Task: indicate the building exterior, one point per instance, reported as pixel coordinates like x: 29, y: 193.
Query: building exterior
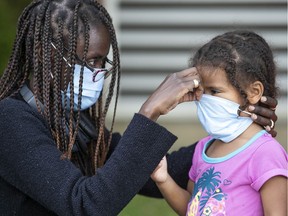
x: 157, y: 37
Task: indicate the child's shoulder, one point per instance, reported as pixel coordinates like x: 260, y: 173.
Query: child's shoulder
x: 202, y: 142
x: 267, y: 143
x: 267, y: 149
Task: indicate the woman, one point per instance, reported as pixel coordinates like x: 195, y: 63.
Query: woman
x: 58, y: 157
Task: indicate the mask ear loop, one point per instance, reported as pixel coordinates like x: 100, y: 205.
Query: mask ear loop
x: 246, y: 112
x: 242, y: 109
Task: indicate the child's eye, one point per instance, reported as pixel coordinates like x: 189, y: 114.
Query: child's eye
x: 214, y: 91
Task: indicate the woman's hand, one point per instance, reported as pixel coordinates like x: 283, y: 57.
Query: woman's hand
x: 264, y: 116
x: 176, y: 88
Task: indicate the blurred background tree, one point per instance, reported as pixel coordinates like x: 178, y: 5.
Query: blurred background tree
x: 9, y: 13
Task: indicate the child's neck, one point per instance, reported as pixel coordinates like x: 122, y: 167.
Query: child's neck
x: 220, y: 149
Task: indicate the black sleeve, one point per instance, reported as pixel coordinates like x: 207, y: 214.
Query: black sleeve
x: 116, y: 137
x: 31, y: 163
x: 179, y: 164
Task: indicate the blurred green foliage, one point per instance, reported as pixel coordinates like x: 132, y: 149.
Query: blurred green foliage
x: 9, y: 13
x: 145, y: 206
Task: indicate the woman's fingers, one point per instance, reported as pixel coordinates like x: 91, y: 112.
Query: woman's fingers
x: 176, y: 88
x: 188, y: 72
x: 271, y: 102
x: 273, y: 133
x: 265, y: 116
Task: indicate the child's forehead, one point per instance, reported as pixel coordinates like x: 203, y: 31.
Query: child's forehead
x: 212, y: 74
x: 210, y: 70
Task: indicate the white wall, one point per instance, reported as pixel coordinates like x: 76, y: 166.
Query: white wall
x: 158, y: 37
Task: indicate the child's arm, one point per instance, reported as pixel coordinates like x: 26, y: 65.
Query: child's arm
x: 175, y: 196
x: 274, y: 196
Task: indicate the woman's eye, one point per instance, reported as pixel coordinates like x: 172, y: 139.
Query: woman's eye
x: 91, y: 62
x: 96, y: 63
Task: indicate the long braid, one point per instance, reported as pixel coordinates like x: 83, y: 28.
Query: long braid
x: 115, y: 77
x: 38, y: 49
x: 86, y: 46
x: 100, y: 156
x: 58, y: 123
x: 73, y: 46
x: 46, y: 72
x: 12, y: 78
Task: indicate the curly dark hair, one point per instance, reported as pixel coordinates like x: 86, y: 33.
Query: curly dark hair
x: 245, y: 57
x: 61, y: 22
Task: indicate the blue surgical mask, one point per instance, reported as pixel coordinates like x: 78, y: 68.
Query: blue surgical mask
x: 91, y: 88
x: 220, y: 118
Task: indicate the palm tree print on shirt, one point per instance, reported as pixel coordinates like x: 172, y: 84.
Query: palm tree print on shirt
x: 208, y: 198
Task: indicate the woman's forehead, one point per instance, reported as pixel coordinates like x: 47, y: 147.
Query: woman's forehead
x: 99, y: 41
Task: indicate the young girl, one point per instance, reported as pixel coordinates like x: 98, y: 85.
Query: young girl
x: 239, y: 169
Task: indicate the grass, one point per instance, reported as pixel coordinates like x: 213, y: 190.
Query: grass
x: 145, y: 206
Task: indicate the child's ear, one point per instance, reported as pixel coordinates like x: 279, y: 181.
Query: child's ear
x: 255, y: 92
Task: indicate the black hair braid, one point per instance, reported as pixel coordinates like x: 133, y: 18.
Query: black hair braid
x: 13, y: 74
x: 266, y: 61
x: 85, y: 163
x: 23, y: 73
x: 46, y: 72
x: 86, y: 46
x: 98, y: 110
x: 117, y: 68
x: 257, y: 60
x: 57, y: 122
x: 101, y: 148
x: 72, y: 49
x: 266, y: 72
x: 233, y: 73
x: 38, y: 51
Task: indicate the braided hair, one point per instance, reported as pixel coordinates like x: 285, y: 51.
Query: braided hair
x: 244, y: 56
x: 61, y: 22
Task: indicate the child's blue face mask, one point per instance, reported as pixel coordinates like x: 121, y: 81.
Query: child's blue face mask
x: 220, y: 118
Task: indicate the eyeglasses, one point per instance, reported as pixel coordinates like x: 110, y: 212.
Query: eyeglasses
x: 91, y: 65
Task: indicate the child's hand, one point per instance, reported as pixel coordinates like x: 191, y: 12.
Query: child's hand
x: 160, y: 173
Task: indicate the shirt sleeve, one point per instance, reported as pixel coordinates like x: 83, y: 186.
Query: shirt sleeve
x: 269, y: 160
x: 31, y: 163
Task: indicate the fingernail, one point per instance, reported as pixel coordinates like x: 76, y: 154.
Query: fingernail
x: 251, y: 108
x: 267, y: 128
x: 253, y: 116
x: 263, y: 99
x: 196, y: 83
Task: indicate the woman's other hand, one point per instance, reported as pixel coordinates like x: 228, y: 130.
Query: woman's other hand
x: 265, y: 116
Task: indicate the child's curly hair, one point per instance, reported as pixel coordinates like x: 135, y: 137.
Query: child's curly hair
x: 244, y: 55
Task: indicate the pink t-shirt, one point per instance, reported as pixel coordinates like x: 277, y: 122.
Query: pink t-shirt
x: 230, y: 185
